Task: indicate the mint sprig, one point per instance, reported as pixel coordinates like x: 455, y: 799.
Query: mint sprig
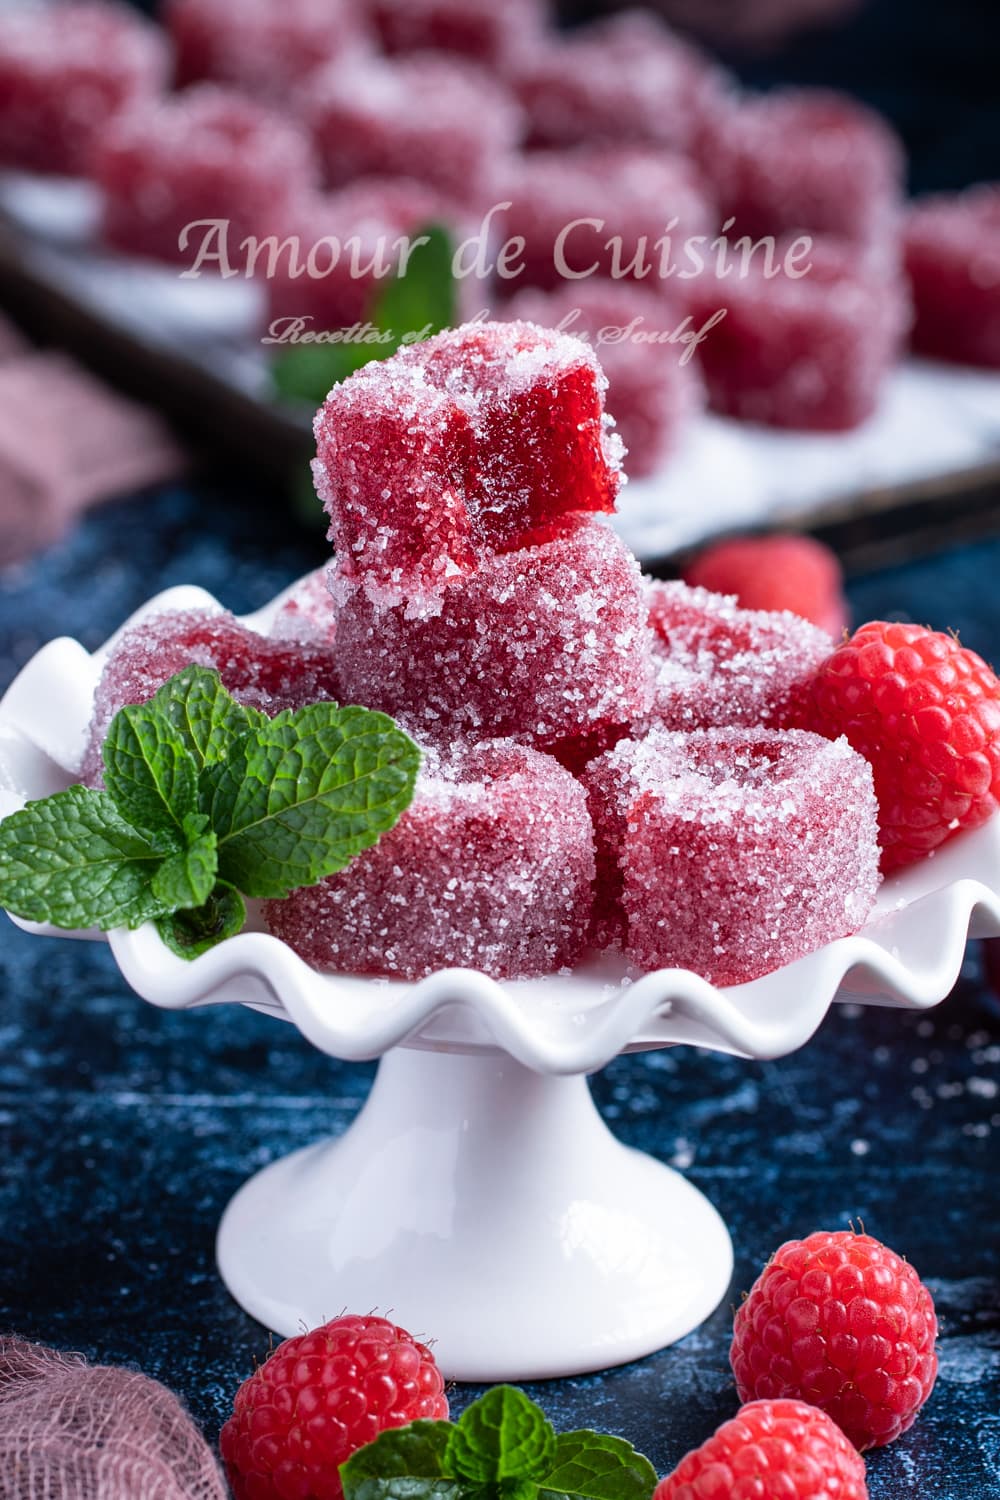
x: 206, y: 802
x: 502, y: 1448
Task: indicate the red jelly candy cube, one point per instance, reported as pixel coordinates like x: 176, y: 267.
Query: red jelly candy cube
x: 541, y: 645
x: 953, y: 262
x: 491, y: 867
x: 489, y: 34
x: 431, y: 117
x: 267, y: 674
x: 623, y: 81
x: 804, y: 160
x: 306, y: 610
x: 477, y: 441
x: 64, y: 72
x: 734, y: 851
x: 652, y: 393
x: 605, y: 211
x: 208, y: 154
x: 808, y: 351
x: 355, y: 241
x: 717, y: 664
x: 264, y: 46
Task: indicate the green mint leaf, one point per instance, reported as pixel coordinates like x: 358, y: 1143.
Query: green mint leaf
x: 305, y: 794
x: 405, y: 1487
x: 205, y: 716
x: 149, y: 773
x: 73, y: 861
x: 307, y: 372
x: 596, y: 1466
x: 185, y: 880
x: 425, y: 297
x: 502, y: 1436
x: 190, y: 933
x: 415, y: 1451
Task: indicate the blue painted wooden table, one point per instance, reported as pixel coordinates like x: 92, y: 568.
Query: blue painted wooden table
x: 124, y: 1131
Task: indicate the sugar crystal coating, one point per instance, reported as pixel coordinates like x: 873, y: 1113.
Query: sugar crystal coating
x: 952, y: 245
x: 489, y: 34
x: 208, y: 153
x: 601, y: 211
x: 797, y: 160
x: 491, y: 867
x: 718, y: 665
x: 651, y: 394
x: 623, y: 80
x: 306, y: 613
x: 801, y: 350
x: 731, y: 852
x: 540, y: 644
x: 477, y: 441
x: 430, y: 116
x: 264, y: 46
x: 64, y: 72
x: 267, y: 674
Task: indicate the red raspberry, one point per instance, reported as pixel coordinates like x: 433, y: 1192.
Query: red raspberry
x: 775, y: 572
x: 840, y: 1321
x: 770, y: 1449
x: 320, y: 1397
x: 926, y: 713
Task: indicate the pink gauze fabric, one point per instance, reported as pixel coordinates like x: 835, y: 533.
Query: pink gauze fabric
x: 74, y: 1431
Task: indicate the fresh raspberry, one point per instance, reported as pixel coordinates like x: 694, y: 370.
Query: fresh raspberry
x: 320, y: 1397
x: 926, y: 713
x: 770, y: 1449
x: 839, y: 1321
x: 775, y: 572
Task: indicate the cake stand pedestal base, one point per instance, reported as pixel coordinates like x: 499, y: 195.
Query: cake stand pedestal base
x: 488, y: 1208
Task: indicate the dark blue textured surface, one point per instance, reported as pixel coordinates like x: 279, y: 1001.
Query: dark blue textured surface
x: 124, y: 1131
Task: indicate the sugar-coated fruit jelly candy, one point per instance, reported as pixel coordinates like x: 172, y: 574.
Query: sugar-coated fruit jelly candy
x: 717, y: 664
x: 208, y: 153
x: 267, y: 674
x: 805, y: 350
x: 601, y: 211
x: 804, y: 160
x: 351, y: 245
x: 627, y: 80
x: 65, y: 70
x: 306, y: 611
x: 952, y: 246
x: 432, y: 117
x: 489, y: 34
x: 477, y: 441
x: 264, y: 46
x: 540, y: 644
x: 733, y: 851
x: 491, y: 867
x: 652, y: 395
x: 793, y: 572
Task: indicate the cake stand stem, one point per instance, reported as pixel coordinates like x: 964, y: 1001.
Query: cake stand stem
x: 487, y: 1207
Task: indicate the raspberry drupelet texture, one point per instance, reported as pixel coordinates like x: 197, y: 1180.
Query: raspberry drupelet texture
x: 952, y: 250
x: 267, y: 674
x: 65, y: 71
x: 731, y: 851
x: 481, y: 440
x: 319, y: 1398
x: 717, y: 665
x: 491, y: 867
x: 926, y: 713
x: 840, y: 1321
x: 543, y: 644
x: 771, y: 1450
x: 797, y: 573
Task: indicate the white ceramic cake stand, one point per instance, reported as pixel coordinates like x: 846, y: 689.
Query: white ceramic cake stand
x: 479, y: 1196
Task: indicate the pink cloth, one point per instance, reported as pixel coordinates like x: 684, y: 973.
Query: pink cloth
x: 73, y: 1431
x: 66, y: 443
